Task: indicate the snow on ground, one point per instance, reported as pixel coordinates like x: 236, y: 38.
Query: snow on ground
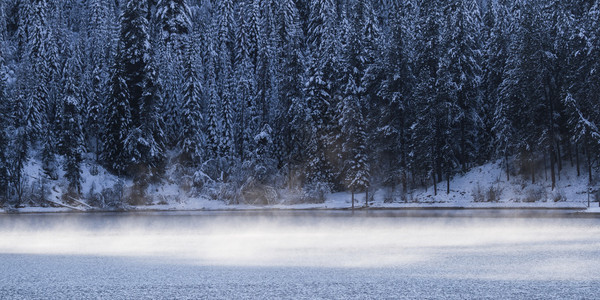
x: 571, y: 192
x: 96, y: 178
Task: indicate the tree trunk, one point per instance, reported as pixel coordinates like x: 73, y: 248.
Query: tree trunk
x: 352, y: 200
x: 559, y: 159
x: 367, y: 197
x: 447, y: 183
x: 545, y: 167
x: 570, y: 153
x: 507, y: 170
x: 532, y: 167
x: 577, y: 158
x: 552, y: 162
x: 19, y: 189
x: 589, y: 159
x: 434, y: 184
x: 433, y: 170
x: 404, y: 180
x: 97, y: 150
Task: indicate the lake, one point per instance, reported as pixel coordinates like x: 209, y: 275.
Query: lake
x: 453, y: 254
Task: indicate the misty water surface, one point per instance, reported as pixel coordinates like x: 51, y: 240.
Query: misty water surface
x: 297, y: 255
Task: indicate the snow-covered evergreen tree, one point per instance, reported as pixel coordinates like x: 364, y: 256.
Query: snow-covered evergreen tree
x: 495, y: 54
x: 290, y: 87
x: 71, y: 140
x: 117, y: 124
x: 134, y: 142
x: 426, y: 130
x: 174, y: 18
x: 213, y: 123
x: 224, y: 71
x: 4, y: 123
x: 318, y: 89
x: 193, y: 138
x: 355, y: 169
x: 247, y: 108
x: 392, y: 132
x: 458, y: 86
x: 584, y: 91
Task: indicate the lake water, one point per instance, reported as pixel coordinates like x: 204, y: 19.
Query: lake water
x: 300, y: 255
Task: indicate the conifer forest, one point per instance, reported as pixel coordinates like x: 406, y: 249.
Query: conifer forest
x: 238, y: 100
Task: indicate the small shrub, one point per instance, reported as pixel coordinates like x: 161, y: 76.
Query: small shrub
x: 201, y: 179
x: 137, y: 195
x: 493, y: 193
x: 113, y: 197
x: 95, y: 200
x: 388, y: 197
x: 478, y: 194
x: 558, y: 196
x: 315, y: 193
x: 162, y: 200
x: 534, y: 194
x: 258, y: 194
x: 221, y: 191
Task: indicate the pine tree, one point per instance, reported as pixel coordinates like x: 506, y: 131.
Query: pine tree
x: 291, y: 80
x: 356, y: 165
x: 248, y: 117
x: 317, y: 97
x: 427, y: 130
x: 92, y: 113
x: 226, y: 149
x: 266, y: 61
x: 495, y: 57
x: 353, y: 136
x: 72, y: 134
x: 369, y: 34
x: 528, y: 68
x: 135, y: 141
x: 319, y: 88
x: 458, y: 82
x: 118, y: 123
x: 4, y: 123
x: 170, y: 86
x: 391, y: 142
x: 584, y: 91
x: 214, y: 122
x: 99, y: 50
x: 19, y: 147
x: 35, y: 42
x: 192, y: 141
x: 174, y: 18
x: 4, y: 165
x: 224, y: 71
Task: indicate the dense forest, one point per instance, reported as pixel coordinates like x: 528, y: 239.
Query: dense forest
x: 250, y: 96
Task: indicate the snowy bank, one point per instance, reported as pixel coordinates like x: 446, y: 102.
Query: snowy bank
x: 470, y: 190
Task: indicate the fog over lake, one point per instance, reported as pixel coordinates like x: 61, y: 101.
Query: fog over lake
x: 296, y: 255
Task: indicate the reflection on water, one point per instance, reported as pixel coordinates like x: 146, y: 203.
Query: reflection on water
x: 389, y: 248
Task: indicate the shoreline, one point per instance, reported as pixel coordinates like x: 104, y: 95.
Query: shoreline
x: 412, y: 211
